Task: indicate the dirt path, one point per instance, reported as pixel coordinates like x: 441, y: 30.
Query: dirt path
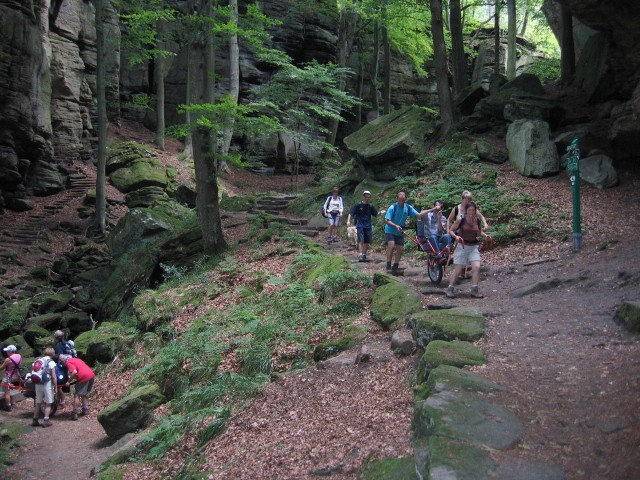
x: 571, y: 373
x: 67, y: 450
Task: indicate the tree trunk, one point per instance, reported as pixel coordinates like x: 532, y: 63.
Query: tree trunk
x: 386, y: 45
x: 457, y: 48
x: 159, y: 80
x: 346, y: 27
x: 101, y: 200
x: 188, y: 140
x: 209, y: 65
x: 496, y: 37
x: 234, y: 77
x: 511, y: 40
x: 188, y: 96
x: 207, y: 191
x: 567, y: 47
x: 525, y: 20
x: 440, y: 61
x: 375, y: 104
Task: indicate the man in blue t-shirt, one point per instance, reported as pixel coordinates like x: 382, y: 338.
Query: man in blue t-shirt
x: 362, y: 213
x: 395, y: 219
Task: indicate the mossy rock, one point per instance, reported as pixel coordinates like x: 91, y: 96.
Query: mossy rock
x: 102, y: 344
x: 240, y: 203
x: 387, y: 147
x: 466, y: 417
x: 13, y: 317
x: 37, y: 338
x: 153, y: 309
x: 48, y: 321
x: 139, y: 174
x: 393, y: 304
x: 53, y: 302
x: 450, y: 458
x: 131, y: 412
x: 455, y: 353
x: 629, y: 315
x: 455, y: 323
x: 124, y: 154
x: 332, y: 347
x: 448, y: 377
x: 389, y: 469
x: 145, y: 196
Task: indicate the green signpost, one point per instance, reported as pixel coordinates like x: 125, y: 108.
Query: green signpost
x: 573, y: 167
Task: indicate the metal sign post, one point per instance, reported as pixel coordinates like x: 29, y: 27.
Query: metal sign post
x: 573, y: 167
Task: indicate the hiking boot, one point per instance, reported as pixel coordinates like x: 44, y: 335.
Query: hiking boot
x: 85, y: 411
x: 395, y: 270
x: 46, y: 423
x: 449, y: 292
x: 74, y: 415
x: 361, y: 257
x: 6, y: 408
x: 364, y: 258
x: 35, y: 423
x: 475, y: 293
x: 388, y: 267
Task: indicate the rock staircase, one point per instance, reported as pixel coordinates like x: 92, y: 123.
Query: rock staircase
x: 29, y: 226
x: 276, y: 205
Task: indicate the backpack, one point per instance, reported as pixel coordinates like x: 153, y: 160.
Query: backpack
x: 69, y: 349
x: 40, y: 371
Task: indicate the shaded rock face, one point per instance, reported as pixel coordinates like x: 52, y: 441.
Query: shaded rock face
x: 619, y: 20
x: 47, y: 87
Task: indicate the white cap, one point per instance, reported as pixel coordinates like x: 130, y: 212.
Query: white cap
x: 10, y: 348
x: 366, y: 192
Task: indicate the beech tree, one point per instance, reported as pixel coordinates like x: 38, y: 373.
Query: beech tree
x: 101, y: 201
x: 440, y: 63
x: 511, y: 39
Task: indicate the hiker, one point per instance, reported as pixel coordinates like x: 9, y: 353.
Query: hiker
x: 11, y: 367
x: 333, y: 208
x: 433, y: 228
x: 62, y: 347
x: 44, y: 389
x: 395, y: 219
x: 460, y: 209
x: 362, y: 212
x: 81, y: 373
x: 467, y: 228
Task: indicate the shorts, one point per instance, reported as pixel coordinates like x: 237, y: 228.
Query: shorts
x: 44, y: 390
x: 365, y: 235
x: 334, y: 219
x: 397, y: 239
x: 82, y: 389
x: 466, y: 255
x: 5, y: 380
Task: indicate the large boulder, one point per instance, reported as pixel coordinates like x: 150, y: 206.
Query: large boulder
x: 131, y: 412
x: 449, y: 324
x: 531, y: 151
x: 100, y: 345
x: 387, y: 147
x: 598, y: 171
x: 393, y: 303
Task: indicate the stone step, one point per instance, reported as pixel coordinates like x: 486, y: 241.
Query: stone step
x: 272, y: 202
x: 269, y: 209
x: 307, y: 232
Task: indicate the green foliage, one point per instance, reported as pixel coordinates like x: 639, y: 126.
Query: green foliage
x: 11, y: 432
x: 546, y: 69
x: 140, y: 37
